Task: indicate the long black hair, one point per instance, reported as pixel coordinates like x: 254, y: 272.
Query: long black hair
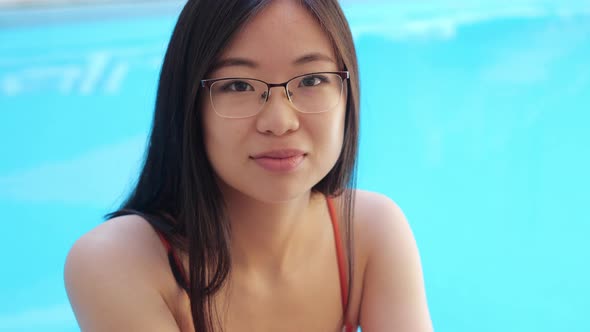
x: 177, y: 185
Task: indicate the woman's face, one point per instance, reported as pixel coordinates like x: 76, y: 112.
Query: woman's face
x: 279, y: 153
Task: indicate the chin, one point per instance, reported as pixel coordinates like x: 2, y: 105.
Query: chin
x: 277, y: 194
x: 268, y: 192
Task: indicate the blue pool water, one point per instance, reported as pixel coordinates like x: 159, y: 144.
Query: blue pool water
x: 474, y: 119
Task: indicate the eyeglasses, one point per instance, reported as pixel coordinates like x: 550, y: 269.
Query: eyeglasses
x: 245, y: 97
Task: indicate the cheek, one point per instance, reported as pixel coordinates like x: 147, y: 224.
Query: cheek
x: 338, y: 134
x: 217, y: 138
x: 340, y: 126
x: 224, y: 141
x: 329, y: 136
x: 214, y: 139
x: 218, y: 151
x: 209, y: 132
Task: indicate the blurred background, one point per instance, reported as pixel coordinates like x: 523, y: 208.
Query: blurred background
x: 475, y: 119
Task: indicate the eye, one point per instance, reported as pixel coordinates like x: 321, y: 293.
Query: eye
x: 237, y: 86
x: 313, y: 80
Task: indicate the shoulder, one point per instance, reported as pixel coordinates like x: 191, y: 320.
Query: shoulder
x: 375, y: 205
x: 382, y: 229
x: 113, y: 276
x: 377, y: 222
x: 126, y: 243
x: 393, y: 294
x: 379, y: 217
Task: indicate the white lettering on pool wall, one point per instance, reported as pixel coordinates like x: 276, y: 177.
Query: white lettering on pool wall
x: 96, y: 72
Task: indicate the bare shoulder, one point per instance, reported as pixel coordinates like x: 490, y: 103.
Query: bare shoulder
x: 381, y: 226
x: 112, y: 276
x: 393, y: 292
x: 127, y: 244
x: 375, y: 206
x: 378, y: 217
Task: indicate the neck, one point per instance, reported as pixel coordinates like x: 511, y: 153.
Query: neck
x: 270, y: 237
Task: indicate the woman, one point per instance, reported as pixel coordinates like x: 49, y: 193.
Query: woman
x: 243, y: 218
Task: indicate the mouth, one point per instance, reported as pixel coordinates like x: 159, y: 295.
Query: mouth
x: 279, y: 154
x: 280, y: 161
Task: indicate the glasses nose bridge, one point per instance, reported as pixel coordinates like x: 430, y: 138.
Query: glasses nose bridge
x: 276, y: 85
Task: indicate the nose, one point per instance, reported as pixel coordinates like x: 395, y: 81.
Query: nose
x: 278, y: 117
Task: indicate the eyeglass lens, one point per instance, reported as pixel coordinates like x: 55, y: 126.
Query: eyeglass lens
x: 314, y: 93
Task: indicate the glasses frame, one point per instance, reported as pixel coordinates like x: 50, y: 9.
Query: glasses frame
x: 207, y: 83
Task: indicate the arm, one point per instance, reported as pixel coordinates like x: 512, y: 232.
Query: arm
x: 394, y: 298
x: 108, y: 289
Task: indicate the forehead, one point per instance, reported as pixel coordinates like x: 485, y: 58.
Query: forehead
x: 278, y: 35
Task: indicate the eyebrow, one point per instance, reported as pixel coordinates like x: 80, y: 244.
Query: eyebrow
x: 311, y: 57
x: 243, y: 62
x: 234, y: 62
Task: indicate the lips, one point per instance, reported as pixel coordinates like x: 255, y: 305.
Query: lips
x: 284, y: 160
x: 279, y: 154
